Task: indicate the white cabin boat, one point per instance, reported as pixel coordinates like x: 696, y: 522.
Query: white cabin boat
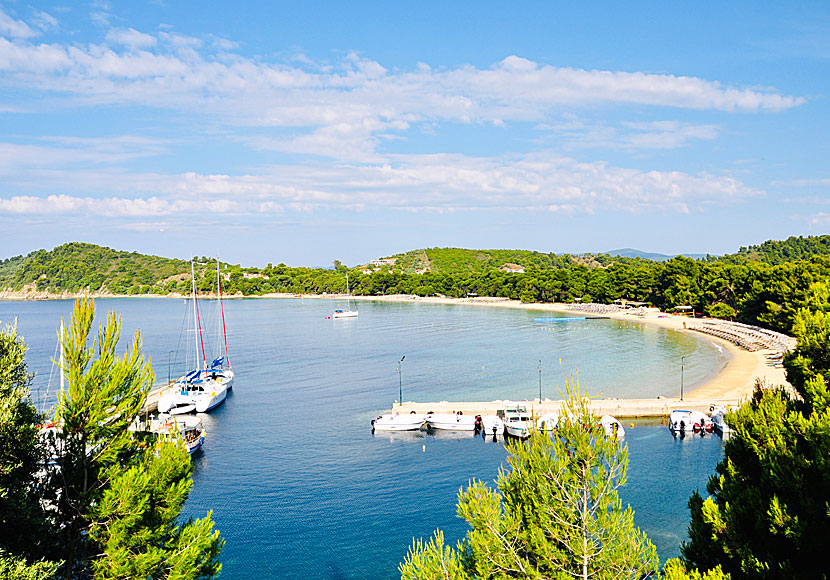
x: 517, y: 422
x: 719, y: 419
x: 683, y: 421
x: 612, y: 427
x: 451, y: 421
x: 490, y: 424
x: 395, y: 422
x: 204, y: 394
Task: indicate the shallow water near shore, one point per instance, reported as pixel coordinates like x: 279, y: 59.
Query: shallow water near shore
x: 298, y: 484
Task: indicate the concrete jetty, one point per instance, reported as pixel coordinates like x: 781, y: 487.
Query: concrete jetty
x: 619, y: 408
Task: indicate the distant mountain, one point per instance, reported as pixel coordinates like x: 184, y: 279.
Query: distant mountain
x: 632, y: 253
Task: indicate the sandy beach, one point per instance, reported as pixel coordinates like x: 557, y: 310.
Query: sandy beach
x: 732, y: 384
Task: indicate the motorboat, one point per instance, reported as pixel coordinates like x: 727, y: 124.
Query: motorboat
x: 517, y: 422
x: 684, y: 421
x: 547, y: 422
x: 719, y: 419
x: 612, y: 427
x: 166, y: 427
x: 490, y: 424
x: 395, y: 422
x: 452, y: 421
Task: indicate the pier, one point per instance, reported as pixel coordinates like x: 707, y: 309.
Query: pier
x: 619, y: 408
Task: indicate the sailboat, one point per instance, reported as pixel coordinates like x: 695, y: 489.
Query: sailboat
x: 203, y: 387
x: 220, y: 369
x: 349, y: 313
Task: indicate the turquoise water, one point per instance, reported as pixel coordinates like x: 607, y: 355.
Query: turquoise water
x: 301, y: 488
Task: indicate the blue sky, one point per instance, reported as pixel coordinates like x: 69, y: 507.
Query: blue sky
x: 303, y: 132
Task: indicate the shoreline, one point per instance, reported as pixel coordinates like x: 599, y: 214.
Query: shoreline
x: 732, y: 383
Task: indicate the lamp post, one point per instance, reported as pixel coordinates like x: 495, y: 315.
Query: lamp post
x: 540, y: 381
x: 400, y: 382
x: 682, y: 366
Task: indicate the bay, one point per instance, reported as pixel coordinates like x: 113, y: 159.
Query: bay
x: 298, y: 484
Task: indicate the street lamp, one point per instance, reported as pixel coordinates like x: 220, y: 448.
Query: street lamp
x: 400, y: 382
x: 682, y: 366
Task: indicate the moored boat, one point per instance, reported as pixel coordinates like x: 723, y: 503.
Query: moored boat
x: 517, y: 422
x: 492, y: 425
x: 451, y: 421
x: 719, y: 419
x: 547, y: 422
x: 683, y: 421
x: 612, y: 427
x: 395, y: 422
x: 187, y: 429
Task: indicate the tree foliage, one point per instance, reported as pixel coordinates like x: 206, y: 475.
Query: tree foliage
x: 118, y: 497
x: 768, y: 513
x: 556, y: 513
x: 23, y: 528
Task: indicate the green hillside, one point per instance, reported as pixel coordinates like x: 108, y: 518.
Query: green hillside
x: 462, y: 261
x: 779, y: 252
x: 75, y: 267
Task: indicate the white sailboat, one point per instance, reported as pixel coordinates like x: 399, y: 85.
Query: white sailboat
x: 348, y: 313
x: 202, y: 387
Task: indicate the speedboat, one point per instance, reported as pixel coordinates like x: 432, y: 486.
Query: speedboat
x: 451, y: 421
x: 547, y: 422
x: 719, y: 419
x: 517, y: 422
x: 490, y: 424
x: 395, y: 422
x: 612, y: 427
x: 684, y: 421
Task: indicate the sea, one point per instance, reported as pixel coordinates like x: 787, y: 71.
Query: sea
x: 299, y: 485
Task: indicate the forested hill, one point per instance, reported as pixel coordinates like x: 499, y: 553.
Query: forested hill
x: 757, y: 285
x: 775, y: 252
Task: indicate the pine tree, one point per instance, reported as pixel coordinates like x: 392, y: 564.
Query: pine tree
x: 23, y: 526
x: 768, y: 513
x: 118, y: 498
x: 556, y: 513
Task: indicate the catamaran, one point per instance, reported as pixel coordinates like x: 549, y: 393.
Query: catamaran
x: 349, y: 313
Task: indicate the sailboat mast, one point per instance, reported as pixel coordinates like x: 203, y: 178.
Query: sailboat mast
x: 195, y: 318
x: 198, y: 322
x: 222, y: 311
x: 61, y: 358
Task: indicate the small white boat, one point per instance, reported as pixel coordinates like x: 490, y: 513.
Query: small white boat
x: 187, y: 429
x: 490, y: 424
x: 411, y: 422
x: 612, y: 427
x: 547, y: 422
x: 451, y: 421
x: 348, y: 313
x: 683, y: 421
x: 517, y: 422
x: 719, y: 419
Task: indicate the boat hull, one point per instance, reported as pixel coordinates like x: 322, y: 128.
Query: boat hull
x: 398, y: 422
x: 451, y: 422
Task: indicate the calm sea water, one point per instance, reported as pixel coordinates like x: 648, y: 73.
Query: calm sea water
x: 298, y: 484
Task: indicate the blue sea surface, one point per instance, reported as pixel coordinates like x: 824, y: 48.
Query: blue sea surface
x: 298, y: 484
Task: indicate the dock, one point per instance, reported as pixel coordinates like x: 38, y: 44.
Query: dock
x: 619, y: 408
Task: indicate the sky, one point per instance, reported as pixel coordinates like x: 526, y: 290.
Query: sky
x: 304, y: 132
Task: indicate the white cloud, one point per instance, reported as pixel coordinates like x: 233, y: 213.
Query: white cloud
x: 422, y: 183
x: 14, y: 28
x: 131, y: 38
x: 631, y: 136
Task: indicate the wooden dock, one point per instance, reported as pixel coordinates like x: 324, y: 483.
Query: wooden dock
x: 619, y: 408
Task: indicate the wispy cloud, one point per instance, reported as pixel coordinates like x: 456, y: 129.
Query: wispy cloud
x: 347, y: 109
x: 423, y: 183
x: 579, y: 133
